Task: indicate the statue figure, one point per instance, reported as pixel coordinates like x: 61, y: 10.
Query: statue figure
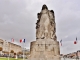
x: 45, y: 26
x: 46, y: 46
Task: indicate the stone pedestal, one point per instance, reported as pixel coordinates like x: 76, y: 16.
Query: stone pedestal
x: 44, y: 49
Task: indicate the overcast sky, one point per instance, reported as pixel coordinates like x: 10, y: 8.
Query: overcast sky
x: 18, y: 18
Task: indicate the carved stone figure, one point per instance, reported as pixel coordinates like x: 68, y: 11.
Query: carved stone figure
x: 45, y: 26
x: 46, y: 46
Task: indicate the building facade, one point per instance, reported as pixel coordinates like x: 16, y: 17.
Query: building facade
x: 16, y: 48
x: 8, y: 46
x: 74, y: 54
x: 1, y: 43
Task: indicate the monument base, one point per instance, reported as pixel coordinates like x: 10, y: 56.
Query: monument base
x: 44, y: 49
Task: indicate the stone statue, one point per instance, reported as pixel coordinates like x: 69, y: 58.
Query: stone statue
x: 45, y: 26
x: 46, y: 46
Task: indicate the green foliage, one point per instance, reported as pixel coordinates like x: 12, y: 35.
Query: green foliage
x: 12, y: 51
x: 10, y: 59
x: 1, y: 48
x: 20, y: 53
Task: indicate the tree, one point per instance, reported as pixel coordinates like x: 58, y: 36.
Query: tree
x: 27, y: 53
x: 12, y: 51
x: 1, y: 48
x: 20, y: 53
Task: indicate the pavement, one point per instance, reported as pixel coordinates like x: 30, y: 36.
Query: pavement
x: 68, y: 59
x: 64, y: 59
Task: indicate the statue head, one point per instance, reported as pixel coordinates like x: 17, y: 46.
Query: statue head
x: 44, y: 7
x: 52, y: 11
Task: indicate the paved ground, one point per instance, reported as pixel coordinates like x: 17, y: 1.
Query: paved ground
x: 64, y: 59
x: 68, y: 59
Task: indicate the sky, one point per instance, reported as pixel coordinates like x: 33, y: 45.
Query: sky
x: 18, y: 18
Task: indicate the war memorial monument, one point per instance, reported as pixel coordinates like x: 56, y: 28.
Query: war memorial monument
x: 46, y: 46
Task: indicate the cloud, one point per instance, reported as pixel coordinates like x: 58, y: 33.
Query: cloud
x: 18, y: 18
x: 69, y: 47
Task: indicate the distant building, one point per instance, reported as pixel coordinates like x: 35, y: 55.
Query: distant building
x: 74, y: 54
x: 26, y: 50
x: 78, y: 53
x: 8, y: 46
x: 61, y: 55
x: 16, y: 48
x: 5, y: 46
x: 1, y: 43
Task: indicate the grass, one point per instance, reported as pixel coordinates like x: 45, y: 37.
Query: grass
x: 10, y: 59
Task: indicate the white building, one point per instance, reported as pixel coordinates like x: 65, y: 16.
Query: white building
x: 8, y: 46
x: 5, y: 46
x: 1, y: 43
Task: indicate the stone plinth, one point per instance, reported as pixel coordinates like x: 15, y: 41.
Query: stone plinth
x: 46, y: 46
x: 45, y: 49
